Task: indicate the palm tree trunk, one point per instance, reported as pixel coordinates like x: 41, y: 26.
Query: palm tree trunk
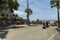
x: 28, y: 21
x: 58, y: 17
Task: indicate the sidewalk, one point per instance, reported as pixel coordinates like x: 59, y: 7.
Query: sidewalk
x: 18, y: 26
x: 24, y: 25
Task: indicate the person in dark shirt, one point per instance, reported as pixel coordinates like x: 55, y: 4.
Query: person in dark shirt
x: 47, y: 24
x: 44, y: 26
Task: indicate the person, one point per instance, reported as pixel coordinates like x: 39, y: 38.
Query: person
x: 44, y: 27
x: 47, y: 24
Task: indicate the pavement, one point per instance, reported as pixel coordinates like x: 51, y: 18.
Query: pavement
x: 31, y: 33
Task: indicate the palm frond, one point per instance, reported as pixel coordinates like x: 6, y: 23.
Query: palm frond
x: 28, y: 11
x: 54, y: 3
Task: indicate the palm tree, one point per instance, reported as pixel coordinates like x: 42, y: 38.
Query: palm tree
x: 29, y: 12
x: 55, y: 3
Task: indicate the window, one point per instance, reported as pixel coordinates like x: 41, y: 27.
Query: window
x: 2, y: 14
x: 2, y: 2
x: 7, y: 15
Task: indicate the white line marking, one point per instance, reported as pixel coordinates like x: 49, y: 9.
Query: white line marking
x: 52, y: 36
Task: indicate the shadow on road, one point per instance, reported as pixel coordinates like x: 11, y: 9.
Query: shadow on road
x: 58, y: 30
x: 4, y: 31
x: 14, y: 27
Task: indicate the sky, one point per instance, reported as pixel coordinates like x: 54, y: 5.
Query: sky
x: 41, y: 10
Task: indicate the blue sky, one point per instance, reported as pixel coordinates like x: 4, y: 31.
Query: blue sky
x: 41, y: 10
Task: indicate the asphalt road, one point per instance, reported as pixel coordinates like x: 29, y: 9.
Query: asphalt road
x: 30, y: 33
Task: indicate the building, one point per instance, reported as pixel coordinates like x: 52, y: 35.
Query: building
x: 36, y: 22
x: 5, y: 14
x: 20, y: 21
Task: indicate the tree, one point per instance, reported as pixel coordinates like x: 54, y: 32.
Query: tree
x: 11, y: 4
x: 29, y: 12
x: 56, y: 3
x: 16, y: 17
x: 2, y: 4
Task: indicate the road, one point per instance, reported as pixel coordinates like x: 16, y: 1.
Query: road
x: 30, y: 33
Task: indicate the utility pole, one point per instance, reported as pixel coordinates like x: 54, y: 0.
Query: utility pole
x: 27, y: 4
x: 58, y: 14
x: 28, y: 22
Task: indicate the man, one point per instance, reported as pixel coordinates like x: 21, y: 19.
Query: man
x: 44, y: 25
x: 47, y: 24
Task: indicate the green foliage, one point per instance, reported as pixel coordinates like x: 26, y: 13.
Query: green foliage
x: 55, y: 3
x: 28, y: 11
x: 3, y: 18
x: 2, y: 2
x: 16, y: 17
x: 52, y: 2
x: 19, y: 18
x: 11, y: 4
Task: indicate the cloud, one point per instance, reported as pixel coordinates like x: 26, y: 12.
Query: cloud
x: 52, y: 17
x: 41, y: 9
x: 20, y: 13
